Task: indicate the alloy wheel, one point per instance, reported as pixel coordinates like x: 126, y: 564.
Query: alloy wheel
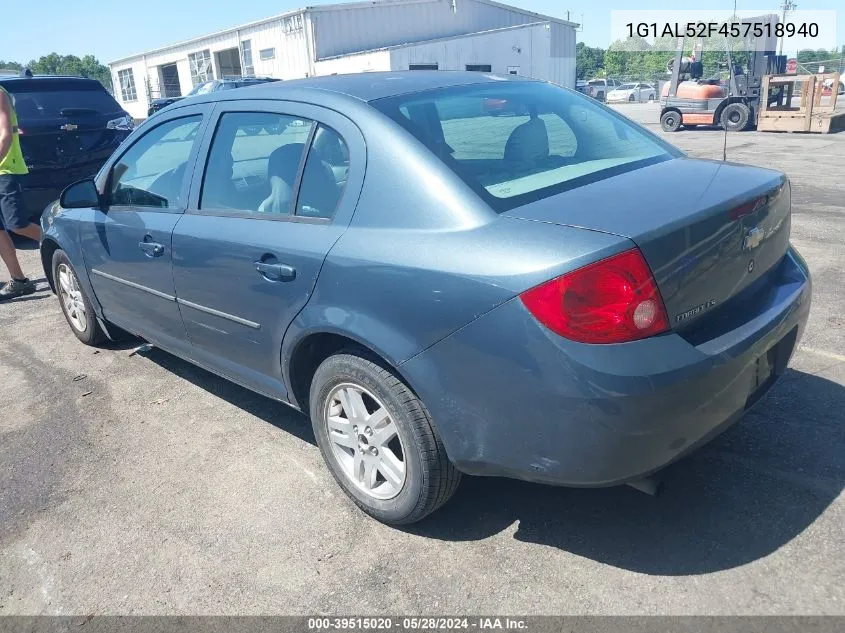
x: 365, y: 441
x: 71, y: 297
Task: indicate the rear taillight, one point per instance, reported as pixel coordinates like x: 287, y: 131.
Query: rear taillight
x: 611, y: 301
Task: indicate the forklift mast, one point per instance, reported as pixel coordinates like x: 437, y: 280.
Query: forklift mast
x: 762, y: 60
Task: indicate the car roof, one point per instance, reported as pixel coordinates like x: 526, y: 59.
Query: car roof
x: 45, y: 78
x: 368, y: 86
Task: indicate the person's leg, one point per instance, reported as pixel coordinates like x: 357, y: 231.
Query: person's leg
x: 10, y: 257
x: 15, y: 214
x: 19, y: 285
x: 33, y: 231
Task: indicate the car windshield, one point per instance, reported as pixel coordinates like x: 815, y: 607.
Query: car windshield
x: 52, y: 99
x: 627, y: 87
x: 545, y: 139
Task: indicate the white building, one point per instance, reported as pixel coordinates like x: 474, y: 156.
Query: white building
x: 377, y: 35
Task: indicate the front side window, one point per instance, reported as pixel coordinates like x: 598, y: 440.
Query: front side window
x: 151, y: 172
x: 267, y: 53
x: 254, y: 162
x: 518, y: 142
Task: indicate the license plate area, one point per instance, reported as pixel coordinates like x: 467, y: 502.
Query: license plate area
x: 770, y: 365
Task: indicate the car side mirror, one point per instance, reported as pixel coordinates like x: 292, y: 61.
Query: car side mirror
x: 80, y: 195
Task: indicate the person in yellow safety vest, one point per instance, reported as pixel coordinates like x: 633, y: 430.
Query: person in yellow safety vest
x: 13, y: 214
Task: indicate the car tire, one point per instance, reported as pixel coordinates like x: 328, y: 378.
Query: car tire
x: 735, y: 117
x: 631, y: 99
x: 76, y: 306
x: 397, y: 471
x: 600, y: 96
x: 670, y: 121
x: 651, y: 97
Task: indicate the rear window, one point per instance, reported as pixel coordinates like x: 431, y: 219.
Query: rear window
x: 517, y: 142
x: 53, y: 99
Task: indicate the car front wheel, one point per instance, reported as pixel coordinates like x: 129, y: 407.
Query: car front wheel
x: 379, y: 441
x: 76, y: 306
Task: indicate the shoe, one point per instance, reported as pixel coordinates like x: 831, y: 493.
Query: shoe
x: 16, y: 288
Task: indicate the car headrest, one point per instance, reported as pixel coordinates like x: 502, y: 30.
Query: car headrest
x: 528, y: 143
x: 284, y: 162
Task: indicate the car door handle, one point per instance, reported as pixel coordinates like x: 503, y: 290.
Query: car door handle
x: 151, y: 249
x: 275, y: 272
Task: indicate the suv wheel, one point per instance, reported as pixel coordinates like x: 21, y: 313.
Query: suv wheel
x: 76, y: 306
x: 379, y: 441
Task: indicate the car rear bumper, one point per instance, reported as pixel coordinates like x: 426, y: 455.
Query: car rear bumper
x: 511, y: 398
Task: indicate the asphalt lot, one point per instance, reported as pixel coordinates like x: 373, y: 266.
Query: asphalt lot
x: 136, y: 483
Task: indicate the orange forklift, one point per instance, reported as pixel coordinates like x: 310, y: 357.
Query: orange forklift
x: 689, y: 101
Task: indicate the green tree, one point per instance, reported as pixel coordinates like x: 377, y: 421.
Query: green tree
x: 87, y: 66
x: 588, y: 61
x: 10, y: 65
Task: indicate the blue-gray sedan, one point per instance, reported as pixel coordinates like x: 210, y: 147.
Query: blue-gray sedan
x: 450, y: 272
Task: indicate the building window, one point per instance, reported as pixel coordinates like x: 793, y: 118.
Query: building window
x: 480, y: 68
x: 292, y: 24
x: 422, y: 67
x: 267, y: 53
x: 246, y: 53
x: 200, y: 65
x: 126, y: 80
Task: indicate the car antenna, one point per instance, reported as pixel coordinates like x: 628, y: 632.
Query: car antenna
x: 730, y: 70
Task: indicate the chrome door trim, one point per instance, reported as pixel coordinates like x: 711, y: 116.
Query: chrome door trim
x: 218, y: 313
x: 132, y: 284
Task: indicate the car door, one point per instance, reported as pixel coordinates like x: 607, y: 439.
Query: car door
x: 265, y: 209
x: 127, y: 243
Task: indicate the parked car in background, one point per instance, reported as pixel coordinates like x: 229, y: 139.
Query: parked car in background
x: 205, y: 87
x: 558, y: 296
x: 598, y: 88
x: 582, y: 86
x: 69, y: 126
x: 632, y: 92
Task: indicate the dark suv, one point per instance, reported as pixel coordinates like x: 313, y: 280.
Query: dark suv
x: 209, y: 86
x: 69, y: 126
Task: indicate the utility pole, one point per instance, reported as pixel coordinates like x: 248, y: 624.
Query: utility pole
x: 786, y: 6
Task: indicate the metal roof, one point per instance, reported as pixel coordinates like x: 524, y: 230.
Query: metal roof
x: 326, y: 8
x: 434, y: 40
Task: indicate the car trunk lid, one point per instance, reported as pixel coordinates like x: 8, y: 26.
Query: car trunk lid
x: 707, y: 229
x: 64, y: 122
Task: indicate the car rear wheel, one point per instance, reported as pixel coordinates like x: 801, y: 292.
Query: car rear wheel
x: 631, y: 98
x: 651, y: 97
x: 670, y: 121
x: 379, y: 441
x: 76, y: 306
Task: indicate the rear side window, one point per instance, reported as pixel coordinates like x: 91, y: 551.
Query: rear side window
x: 324, y: 176
x: 517, y: 142
x: 54, y: 99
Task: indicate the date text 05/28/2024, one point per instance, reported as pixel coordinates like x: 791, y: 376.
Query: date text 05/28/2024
x: 715, y: 29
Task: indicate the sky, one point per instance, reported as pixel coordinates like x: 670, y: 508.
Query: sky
x: 110, y: 30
